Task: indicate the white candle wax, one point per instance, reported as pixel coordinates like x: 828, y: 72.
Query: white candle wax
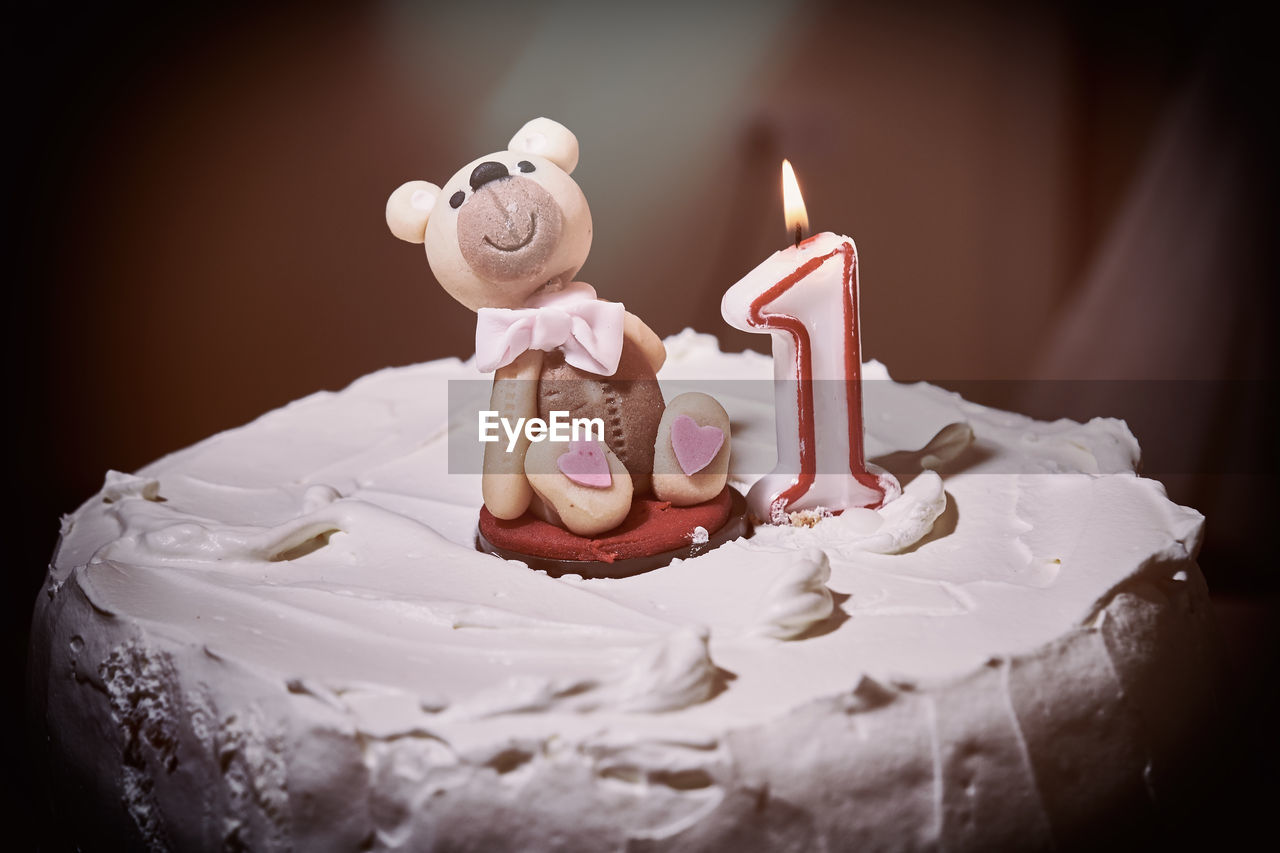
x: 806, y: 297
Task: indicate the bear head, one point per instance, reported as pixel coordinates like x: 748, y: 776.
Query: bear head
x: 505, y: 227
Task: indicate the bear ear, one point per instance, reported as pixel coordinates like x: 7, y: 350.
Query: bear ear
x: 549, y: 139
x: 408, y: 209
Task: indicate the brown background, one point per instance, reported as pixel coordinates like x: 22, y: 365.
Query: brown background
x: 1038, y: 192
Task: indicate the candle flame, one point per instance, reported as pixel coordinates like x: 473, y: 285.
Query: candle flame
x: 793, y: 203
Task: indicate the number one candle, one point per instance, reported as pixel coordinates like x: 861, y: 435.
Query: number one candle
x: 806, y: 297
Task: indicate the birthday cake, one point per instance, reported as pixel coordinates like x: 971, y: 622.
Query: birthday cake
x: 290, y: 636
x: 284, y: 637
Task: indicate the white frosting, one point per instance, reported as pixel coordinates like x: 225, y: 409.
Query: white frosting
x: 798, y: 599
x: 285, y: 636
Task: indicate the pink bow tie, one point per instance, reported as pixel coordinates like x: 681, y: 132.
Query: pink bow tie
x: 586, y: 330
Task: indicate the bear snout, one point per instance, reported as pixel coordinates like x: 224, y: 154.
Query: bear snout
x: 510, y: 228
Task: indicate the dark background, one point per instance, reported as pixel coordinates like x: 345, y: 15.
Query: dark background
x: 1040, y: 192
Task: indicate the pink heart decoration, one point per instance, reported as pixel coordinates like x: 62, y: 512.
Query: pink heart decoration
x: 695, y: 446
x: 585, y: 465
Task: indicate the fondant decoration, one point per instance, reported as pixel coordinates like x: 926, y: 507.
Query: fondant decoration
x: 645, y: 540
x: 584, y: 510
x: 806, y: 297
x: 508, y: 228
x: 695, y: 446
x: 587, y: 330
x: 507, y: 245
x: 629, y: 403
x: 505, y: 486
x: 672, y: 479
x: 584, y: 464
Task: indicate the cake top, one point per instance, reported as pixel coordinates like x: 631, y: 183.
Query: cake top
x: 324, y: 545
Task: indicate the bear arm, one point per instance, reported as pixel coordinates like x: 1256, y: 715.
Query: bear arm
x: 504, y: 486
x: 646, y: 340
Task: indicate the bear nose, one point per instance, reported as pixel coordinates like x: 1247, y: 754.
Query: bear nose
x: 486, y: 172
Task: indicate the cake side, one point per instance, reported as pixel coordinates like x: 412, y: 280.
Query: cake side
x: 298, y: 644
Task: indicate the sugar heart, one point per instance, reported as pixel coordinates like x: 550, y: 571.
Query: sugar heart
x: 585, y: 465
x: 695, y: 446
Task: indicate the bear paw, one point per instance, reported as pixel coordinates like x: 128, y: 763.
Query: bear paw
x: 584, y: 487
x: 691, y: 453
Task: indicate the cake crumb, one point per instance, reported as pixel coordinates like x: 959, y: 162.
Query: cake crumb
x: 808, y: 517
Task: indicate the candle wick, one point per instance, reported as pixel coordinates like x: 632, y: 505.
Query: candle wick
x: 799, y: 234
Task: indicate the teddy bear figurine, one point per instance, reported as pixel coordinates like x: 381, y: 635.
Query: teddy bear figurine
x: 505, y: 236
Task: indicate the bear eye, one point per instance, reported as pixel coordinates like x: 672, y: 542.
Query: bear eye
x: 525, y: 166
x: 456, y: 200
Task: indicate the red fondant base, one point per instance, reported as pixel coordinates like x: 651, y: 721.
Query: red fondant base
x: 652, y: 527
